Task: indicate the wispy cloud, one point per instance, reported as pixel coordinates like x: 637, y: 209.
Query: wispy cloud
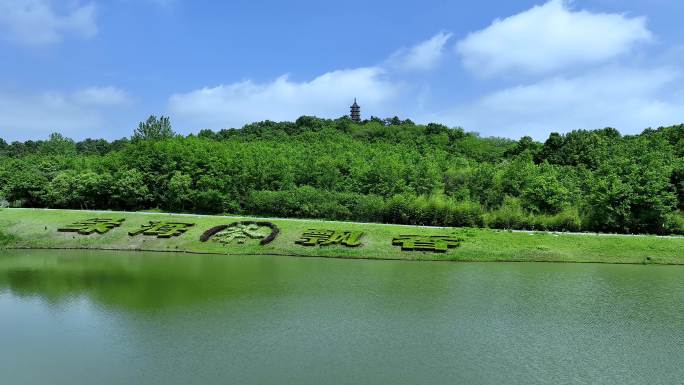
x: 37, y: 22
x: 102, y: 96
x: 421, y: 57
x: 77, y: 114
x: 630, y: 99
x: 233, y: 105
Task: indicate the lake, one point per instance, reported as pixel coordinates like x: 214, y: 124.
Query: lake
x: 77, y: 317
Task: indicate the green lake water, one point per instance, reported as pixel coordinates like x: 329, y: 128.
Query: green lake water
x: 154, y: 318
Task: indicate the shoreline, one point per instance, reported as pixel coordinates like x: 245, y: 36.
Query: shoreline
x: 332, y: 256
x: 311, y: 220
x: 28, y: 229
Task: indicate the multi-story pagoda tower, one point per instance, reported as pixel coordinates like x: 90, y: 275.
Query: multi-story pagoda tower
x: 355, y: 112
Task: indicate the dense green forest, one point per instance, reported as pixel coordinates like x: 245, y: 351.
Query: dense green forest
x: 388, y: 170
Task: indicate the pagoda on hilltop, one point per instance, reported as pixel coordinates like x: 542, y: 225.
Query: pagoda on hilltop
x: 355, y: 112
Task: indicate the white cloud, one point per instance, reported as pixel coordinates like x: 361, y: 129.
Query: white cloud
x: 104, y: 96
x: 423, y: 56
x: 627, y: 99
x: 550, y: 37
x: 233, y: 105
x: 34, y: 116
x: 37, y: 22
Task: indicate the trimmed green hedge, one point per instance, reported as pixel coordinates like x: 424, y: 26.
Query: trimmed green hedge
x: 162, y: 229
x: 217, y: 229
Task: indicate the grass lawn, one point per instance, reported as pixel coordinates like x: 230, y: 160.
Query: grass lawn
x: 36, y: 228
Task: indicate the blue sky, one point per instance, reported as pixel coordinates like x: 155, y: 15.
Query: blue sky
x: 503, y: 68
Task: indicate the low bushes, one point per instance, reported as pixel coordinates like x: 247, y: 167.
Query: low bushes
x: 308, y: 202
x: 675, y: 223
x: 567, y: 220
x: 434, y: 210
x: 5, y: 239
x: 303, y: 202
x: 511, y: 215
x: 408, y: 209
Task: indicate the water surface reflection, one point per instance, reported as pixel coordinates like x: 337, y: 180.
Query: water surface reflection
x: 110, y: 317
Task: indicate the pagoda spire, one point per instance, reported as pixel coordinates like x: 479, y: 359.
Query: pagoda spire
x: 355, y: 112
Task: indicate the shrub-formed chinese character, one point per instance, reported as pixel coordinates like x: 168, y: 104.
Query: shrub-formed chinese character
x: 93, y: 225
x: 433, y: 243
x: 240, y: 232
x: 163, y: 229
x: 313, y: 237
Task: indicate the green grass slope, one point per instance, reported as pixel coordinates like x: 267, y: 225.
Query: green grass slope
x: 35, y: 228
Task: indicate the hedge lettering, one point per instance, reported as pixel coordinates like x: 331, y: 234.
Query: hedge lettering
x: 433, y: 243
x: 239, y: 232
x: 93, y: 225
x: 163, y: 229
x: 313, y: 237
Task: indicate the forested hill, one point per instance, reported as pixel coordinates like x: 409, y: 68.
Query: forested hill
x: 389, y: 170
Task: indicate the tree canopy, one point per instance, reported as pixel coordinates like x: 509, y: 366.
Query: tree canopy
x: 383, y: 170
x: 154, y: 129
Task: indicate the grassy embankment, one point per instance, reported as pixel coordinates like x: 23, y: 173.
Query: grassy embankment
x: 34, y: 228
